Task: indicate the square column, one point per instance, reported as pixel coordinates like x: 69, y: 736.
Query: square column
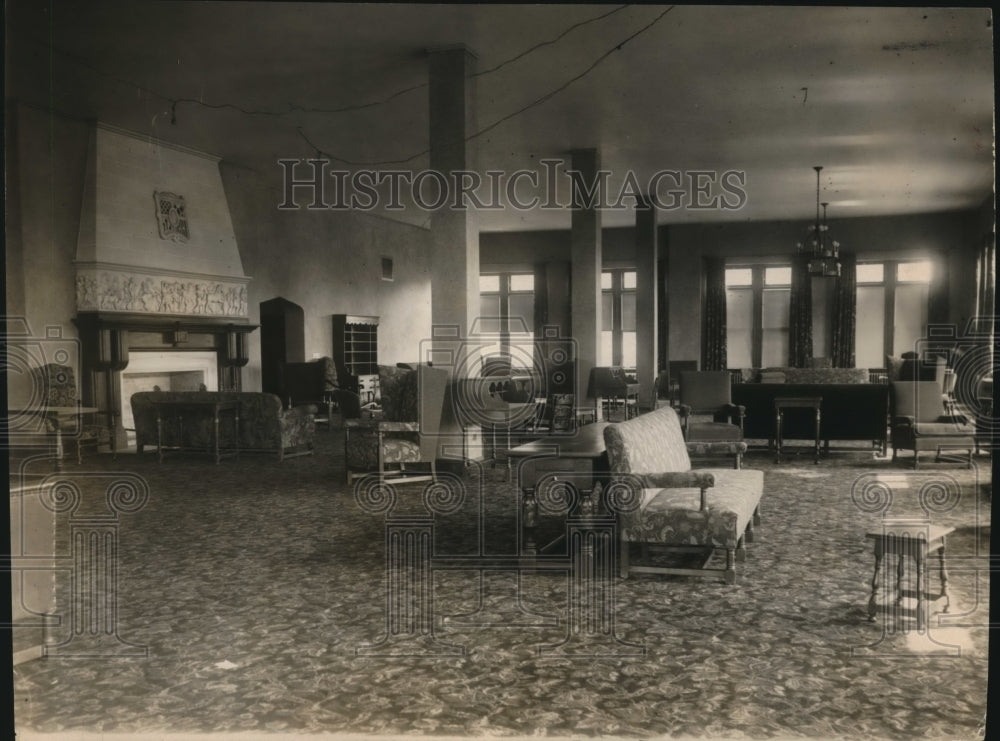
x: 454, y: 242
x: 585, y: 250
x: 646, y: 261
x: 454, y: 231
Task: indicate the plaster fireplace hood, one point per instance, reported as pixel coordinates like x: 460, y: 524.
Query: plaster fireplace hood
x: 155, y: 234
x: 158, y: 270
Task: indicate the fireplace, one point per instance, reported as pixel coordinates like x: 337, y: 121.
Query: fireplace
x: 174, y: 370
x: 124, y: 353
x: 161, y: 295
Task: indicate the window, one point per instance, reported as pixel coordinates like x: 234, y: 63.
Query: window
x: 891, y: 309
x: 618, y: 318
x: 507, y: 308
x: 757, y: 301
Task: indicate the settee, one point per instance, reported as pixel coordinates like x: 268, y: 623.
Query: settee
x: 264, y: 425
x: 852, y: 408
x: 676, y: 507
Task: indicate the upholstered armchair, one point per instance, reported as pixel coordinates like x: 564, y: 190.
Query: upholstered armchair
x: 403, y: 433
x: 310, y: 383
x: 556, y: 414
x: 707, y: 410
x: 661, y: 391
x: 612, y: 387
x: 921, y: 422
x: 56, y: 399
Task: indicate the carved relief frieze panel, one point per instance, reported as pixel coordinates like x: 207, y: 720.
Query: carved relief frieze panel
x: 137, y: 292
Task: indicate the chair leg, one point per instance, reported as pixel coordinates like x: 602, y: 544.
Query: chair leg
x: 730, y: 573
x: 756, y: 515
x: 741, y: 548
x: 749, y: 535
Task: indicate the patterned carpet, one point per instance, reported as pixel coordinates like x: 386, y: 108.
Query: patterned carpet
x: 251, y: 585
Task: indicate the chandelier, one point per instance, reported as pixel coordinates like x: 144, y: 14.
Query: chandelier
x: 823, y: 251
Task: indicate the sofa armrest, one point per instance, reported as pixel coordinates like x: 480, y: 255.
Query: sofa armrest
x: 681, y: 480
x: 296, y: 426
x: 387, y: 426
x: 301, y: 410
x: 678, y: 480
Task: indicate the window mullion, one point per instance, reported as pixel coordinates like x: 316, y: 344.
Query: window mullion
x: 888, y: 330
x: 757, y: 333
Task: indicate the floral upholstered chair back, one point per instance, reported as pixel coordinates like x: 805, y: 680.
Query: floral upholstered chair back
x: 649, y: 443
x: 56, y: 385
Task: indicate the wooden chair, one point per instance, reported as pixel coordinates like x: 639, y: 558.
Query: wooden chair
x: 56, y: 384
x: 707, y: 412
x: 921, y: 422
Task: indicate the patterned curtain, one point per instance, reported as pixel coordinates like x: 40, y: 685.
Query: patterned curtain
x: 713, y: 331
x: 800, y: 323
x: 845, y: 310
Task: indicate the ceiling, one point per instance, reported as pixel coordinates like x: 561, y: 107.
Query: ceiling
x: 896, y: 103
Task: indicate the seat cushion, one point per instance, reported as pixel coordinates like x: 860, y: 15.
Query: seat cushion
x: 942, y: 429
x: 399, y: 450
x: 714, y: 431
x: 673, y: 517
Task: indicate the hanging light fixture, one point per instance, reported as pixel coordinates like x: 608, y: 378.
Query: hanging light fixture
x: 823, y: 251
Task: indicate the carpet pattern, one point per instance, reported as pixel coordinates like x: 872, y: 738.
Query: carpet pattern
x: 252, y: 585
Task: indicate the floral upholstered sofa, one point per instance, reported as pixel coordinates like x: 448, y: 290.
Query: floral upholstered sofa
x: 683, y: 509
x: 263, y: 426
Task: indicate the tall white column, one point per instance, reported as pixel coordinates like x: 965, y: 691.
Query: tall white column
x: 585, y: 298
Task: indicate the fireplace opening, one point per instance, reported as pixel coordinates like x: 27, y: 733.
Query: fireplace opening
x: 165, y: 371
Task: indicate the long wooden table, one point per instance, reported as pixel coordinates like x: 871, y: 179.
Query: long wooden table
x: 194, y: 409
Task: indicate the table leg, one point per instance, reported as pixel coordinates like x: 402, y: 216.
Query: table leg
x: 215, y: 440
x: 529, y: 520
x: 899, y: 579
x: 872, y: 604
x: 57, y: 430
x: 944, y: 578
x: 159, y: 437
x: 922, y: 605
x: 236, y: 431
x: 777, y: 436
x: 816, y: 458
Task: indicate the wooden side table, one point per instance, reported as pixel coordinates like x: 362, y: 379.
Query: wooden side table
x: 782, y: 403
x: 916, y: 539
